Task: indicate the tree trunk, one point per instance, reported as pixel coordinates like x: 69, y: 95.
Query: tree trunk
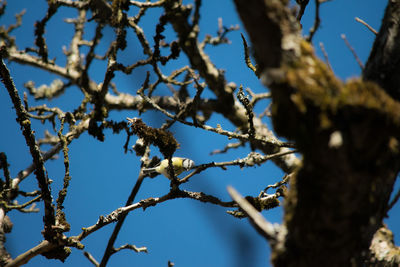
x: 348, y: 134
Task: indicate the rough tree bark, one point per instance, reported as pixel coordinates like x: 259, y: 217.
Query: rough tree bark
x: 348, y: 133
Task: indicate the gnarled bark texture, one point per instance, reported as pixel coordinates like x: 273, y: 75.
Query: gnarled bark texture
x: 348, y: 134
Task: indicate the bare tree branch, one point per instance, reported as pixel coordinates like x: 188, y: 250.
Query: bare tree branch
x: 265, y: 228
x: 41, y: 176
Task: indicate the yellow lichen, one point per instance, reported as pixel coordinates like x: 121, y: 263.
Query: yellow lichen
x: 314, y: 83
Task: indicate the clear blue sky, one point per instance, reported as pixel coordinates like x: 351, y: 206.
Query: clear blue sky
x: 184, y: 231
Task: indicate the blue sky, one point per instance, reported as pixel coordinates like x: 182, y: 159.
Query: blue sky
x: 184, y: 231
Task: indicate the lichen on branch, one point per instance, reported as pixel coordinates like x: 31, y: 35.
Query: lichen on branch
x: 162, y: 139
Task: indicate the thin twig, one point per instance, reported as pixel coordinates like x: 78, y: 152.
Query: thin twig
x: 265, y: 228
x: 247, y: 57
x: 321, y: 45
x: 218, y: 129
x: 284, y: 180
x: 251, y: 160
x: 91, y: 258
x: 227, y: 147
x: 147, y: 4
x: 131, y: 247
x: 149, y: 202
x: 317, y: 21
x: 121, y: 219
x: 22, y: 206
x: 74, y: 133
x: 303, y: 4
x: 352, y: 51
x: 63, y: 192
x: 25, y: 123
x: 23, y: 258
x: 366, y: 25
x: 257, y: 97
x: 110, y: 245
